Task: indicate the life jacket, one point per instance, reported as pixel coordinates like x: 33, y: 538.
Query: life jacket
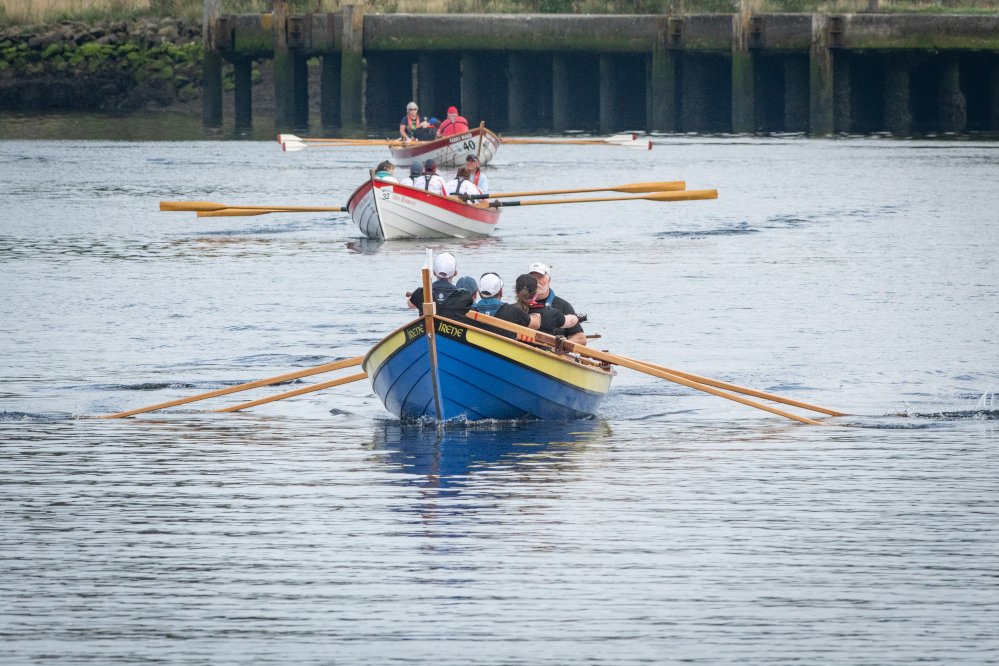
x: 475, y: 180
x: 457, y: 126
x: 411, y: 124
x: 442, y: 289
x: 551, y: 297
x: 426, y: 181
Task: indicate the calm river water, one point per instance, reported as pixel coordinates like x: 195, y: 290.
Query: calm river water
x: 860, y: 274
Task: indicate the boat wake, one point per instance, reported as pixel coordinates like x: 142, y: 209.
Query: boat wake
x: 28, y: 417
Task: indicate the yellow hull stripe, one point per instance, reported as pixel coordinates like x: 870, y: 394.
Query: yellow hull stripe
x: 569, y: 372
x: 382, y: 352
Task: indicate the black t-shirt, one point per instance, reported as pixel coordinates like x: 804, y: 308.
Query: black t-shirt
x: 512, y: 314
x: 552, y: 319
x: 452, y: 303
x: 425, y: 133
x: 565, y: 308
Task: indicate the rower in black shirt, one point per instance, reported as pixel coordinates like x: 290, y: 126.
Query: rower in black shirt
x: 546, y: 297
x: 451, y: 301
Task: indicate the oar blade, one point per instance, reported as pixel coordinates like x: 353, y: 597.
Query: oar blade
x: 287, y: 137
x: 190, y: 206
x: 293, y: 146
x: 687, y: 195
x: 642, y: 188
x: 621, y: 137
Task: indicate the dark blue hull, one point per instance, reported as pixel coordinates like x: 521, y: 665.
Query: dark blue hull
x: 480, y: 376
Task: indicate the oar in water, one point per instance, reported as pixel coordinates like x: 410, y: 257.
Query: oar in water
x: 208, y: 206
x: 631, y: 188
x: 689, y: 195
x: 531, y: 336
x: 291, y: 394
x: 327, y: 367
x: 294, y: 146
x: 284, y: 138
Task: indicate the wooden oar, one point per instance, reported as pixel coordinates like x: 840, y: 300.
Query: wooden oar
x: 245, y: 212
x: 611, y: 140
x: 294, y: 146
x: 536, y: 337
x: 741, y: 389
x: 689, y: 195
x: 206, y: 206
x: 327, y: 367
x: 285, y: 138
x: 291, y: 394
x: 632, y: 188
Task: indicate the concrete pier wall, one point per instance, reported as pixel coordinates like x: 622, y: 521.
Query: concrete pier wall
x: 814, y: 73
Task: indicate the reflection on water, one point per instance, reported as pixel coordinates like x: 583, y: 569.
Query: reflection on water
x: 445, y: 454
x: 676, y: 527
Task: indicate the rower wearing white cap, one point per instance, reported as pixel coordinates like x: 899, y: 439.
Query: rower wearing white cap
x: 491, y: 290
x: 451, y: 302
x: 546, y: 297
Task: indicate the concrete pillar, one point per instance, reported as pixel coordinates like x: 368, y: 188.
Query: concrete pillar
x: 663, y: 81
x: 796, y: 91
x: 244, y: 91
x: 471, y: 77
x: 517, y: 90
x: 608, y: 94
x: 329, y: 90
x: 820, y: 79
x: 377, y: 112
x: 953, y: 108
x: 284, y: 69
x: 994, y: 96
x: 300, y: 90
x: 427, y: 72
x: 693, y: 97
x: 743, y: 87
x: 841, y: 92
x: 562, y: 111
x: 211, y: 67
x: 352, y: 67
x: 898, y: 118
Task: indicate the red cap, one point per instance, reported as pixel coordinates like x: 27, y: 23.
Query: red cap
x: 452, y: 109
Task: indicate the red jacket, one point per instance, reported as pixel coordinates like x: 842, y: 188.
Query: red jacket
x: 456, y: 126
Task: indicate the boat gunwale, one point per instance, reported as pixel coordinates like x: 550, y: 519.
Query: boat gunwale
x: 454, y: 205
x: 407, y: 150
x: 548, y: 354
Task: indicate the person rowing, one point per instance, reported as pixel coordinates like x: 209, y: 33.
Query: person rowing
x: 491, y: 290
x: 430, y: 181
x: 475, y: 169
x: 546, y: 299
x: 409, y: 122
x: 462, y: 183
x: 427, y: 131
x: 453, y: 124
x: 386, y: 171
x: 526, y: 312
x: 415, y: 171
x: 451, y: 301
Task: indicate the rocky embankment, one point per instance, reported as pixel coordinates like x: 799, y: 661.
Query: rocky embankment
x: 110, y: 66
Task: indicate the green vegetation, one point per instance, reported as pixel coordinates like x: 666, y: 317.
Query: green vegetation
x: 25, y: 12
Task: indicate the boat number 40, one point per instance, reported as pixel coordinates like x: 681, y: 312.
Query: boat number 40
x: 468, y: 145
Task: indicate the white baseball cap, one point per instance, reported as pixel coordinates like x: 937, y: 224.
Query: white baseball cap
x: 490, y: 285
x: 445, y: 265
x: 538, y: 267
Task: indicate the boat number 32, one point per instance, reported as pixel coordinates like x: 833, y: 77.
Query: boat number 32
x: 386, y: 193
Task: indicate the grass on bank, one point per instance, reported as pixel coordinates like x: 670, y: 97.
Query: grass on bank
x: 27, y: 12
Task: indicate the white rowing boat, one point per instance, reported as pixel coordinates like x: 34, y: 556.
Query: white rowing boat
x: 449, y: 150
x: 386, y: 210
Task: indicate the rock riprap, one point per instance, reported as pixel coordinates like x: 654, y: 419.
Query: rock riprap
x: 107, y: 66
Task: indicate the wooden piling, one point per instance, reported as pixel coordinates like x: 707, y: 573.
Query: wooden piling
x: 211, y: 68
x: 352, y: 67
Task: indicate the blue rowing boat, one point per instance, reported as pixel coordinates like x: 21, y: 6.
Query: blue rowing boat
x: 460, y: 371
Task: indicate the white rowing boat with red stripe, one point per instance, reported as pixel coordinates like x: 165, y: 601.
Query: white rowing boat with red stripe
x: 449, y: 150
x: 382, y: 209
